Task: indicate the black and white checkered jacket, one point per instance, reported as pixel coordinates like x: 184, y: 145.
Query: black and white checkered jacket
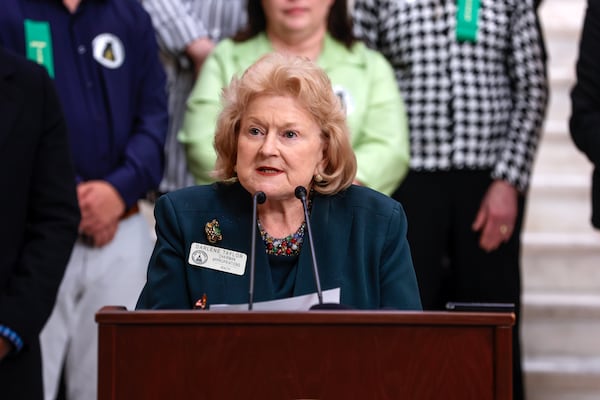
x: 471, y: 105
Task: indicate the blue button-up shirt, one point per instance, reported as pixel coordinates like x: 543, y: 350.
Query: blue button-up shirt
x: 110, y: 82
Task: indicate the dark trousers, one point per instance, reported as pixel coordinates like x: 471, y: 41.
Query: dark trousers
x: 450, y: 265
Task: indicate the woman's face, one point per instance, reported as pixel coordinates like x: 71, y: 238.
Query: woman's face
x: 280, y: 147
x: 288, y: 17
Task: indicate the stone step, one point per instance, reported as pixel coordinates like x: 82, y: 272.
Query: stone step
x: 558, y: 155
x: 562, y: 378
x: 559, y: 102
x: 561, y: 262
x: 560, y: 325
x: 558, y: 203
x: 561, y: 349
x: 561, y: 17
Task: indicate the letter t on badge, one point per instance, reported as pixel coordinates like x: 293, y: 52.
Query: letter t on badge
x: 38, y: 44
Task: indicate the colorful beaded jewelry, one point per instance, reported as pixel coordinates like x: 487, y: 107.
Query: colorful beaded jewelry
x: 288, y: 246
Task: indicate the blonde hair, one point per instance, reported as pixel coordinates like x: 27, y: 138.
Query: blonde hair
x: 302, y: 80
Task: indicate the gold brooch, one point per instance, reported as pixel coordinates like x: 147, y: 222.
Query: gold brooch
x: 213, y: 231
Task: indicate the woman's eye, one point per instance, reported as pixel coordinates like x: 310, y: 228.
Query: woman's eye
x: 290, y: 134
x: 254, y: 131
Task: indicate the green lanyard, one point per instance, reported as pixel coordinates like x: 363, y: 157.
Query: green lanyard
x: 466, y: 20
x: 38, y: 44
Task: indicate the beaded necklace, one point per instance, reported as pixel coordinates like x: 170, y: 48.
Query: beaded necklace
x: 287, y: 246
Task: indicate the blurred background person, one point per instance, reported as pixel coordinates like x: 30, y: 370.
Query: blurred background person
x: 585, y: 100
x: 104, y: 59
x: 187, y: 31
x: 39, y: 218
x: 281, y: 127
x: 362, y: 78
x: 473, y: 79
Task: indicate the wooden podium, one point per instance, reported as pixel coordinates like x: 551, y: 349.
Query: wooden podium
x: 304, y: 355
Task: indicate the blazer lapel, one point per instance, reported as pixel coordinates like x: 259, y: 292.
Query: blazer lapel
x: 238, y: 239
x: 330, y: 240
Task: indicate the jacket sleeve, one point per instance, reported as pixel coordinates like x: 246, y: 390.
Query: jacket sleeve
x: 399, y: 289
x: 526, y: 71
x: 166, y: 282
x: 175, y: 23
x: 142, y: 163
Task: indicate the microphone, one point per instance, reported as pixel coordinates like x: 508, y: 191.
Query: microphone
x: 300, y: 193
x: 258, y: 198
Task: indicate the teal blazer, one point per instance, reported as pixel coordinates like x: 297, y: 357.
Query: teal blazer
x: 359, y: 240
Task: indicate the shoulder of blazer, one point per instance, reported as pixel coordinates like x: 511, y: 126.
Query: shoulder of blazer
x: 218, y: 196
x: 363, y: 197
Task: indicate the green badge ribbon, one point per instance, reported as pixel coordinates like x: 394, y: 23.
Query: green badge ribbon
x: 466, y: 20
x: 38, y: 44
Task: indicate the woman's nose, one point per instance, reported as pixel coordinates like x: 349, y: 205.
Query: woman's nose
x: 269, y: 144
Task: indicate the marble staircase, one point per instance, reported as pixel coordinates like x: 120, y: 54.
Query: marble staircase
x: 561, y: 252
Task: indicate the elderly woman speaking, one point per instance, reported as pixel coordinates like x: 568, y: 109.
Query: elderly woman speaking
x: 282, y: 128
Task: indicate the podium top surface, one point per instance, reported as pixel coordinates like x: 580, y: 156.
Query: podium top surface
x: 120, y: 315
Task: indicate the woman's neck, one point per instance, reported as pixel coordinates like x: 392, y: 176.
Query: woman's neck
x: 301, y: 44
x: 281, y: 220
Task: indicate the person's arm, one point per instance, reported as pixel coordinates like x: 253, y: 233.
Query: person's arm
x: 9, y: 341
x: 180, y: 31
x: 143, y: 159
x: 529, y: 97
x: 399, y: 288
x: 381, y: 142
x: 52, y: 217
x: 166, y: 284
x: 585, y: 96
x: 203, y: 107
x: 497, y: 214
x: 103, y: 202
x: 5, y: 347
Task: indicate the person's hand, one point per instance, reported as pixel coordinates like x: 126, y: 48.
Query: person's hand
x: 101, y: 208
x: 198, y: 50
x: 5, y: 348
x: 497, y: 215
x: 106, y: 235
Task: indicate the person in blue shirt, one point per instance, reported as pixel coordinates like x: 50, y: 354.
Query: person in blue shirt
x: 104, y: 60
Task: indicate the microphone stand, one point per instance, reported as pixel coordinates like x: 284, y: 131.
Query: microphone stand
x: 258, y: 198
x: 300, y: 193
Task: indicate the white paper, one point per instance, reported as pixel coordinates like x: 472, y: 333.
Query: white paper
x: 298, y: 303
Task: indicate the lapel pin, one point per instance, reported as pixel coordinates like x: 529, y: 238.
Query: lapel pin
x: 213, y: 231
x: 201, y: 303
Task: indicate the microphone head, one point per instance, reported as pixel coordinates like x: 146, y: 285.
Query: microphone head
x: 300, y: 192
x: 260, y: 197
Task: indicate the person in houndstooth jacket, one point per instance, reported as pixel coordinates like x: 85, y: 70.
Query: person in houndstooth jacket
x: 476, y: 93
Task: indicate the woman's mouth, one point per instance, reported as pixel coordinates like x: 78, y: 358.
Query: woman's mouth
x: 268, y: 171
